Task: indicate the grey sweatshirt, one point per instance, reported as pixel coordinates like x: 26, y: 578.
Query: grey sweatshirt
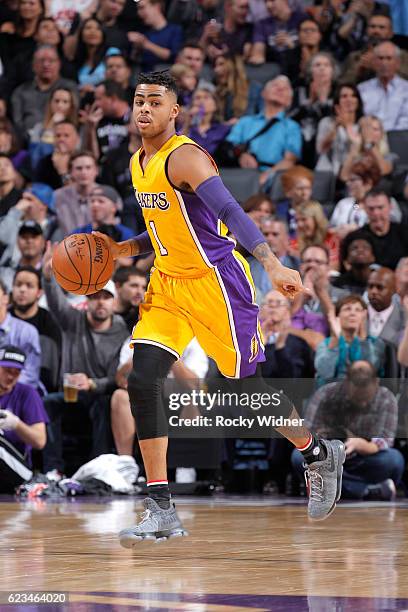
x: 79, y: 352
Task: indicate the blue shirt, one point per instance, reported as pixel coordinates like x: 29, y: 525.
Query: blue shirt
x: 282, y: 137
x: 170, y: 37
x: 126, y: 232
x: 89, y: 76
x: 24, y: 402
x: 24, y: 335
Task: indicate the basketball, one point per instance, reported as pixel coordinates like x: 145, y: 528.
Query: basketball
x: 82, y: 264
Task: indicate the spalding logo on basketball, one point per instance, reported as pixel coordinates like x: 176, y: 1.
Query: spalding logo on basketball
x: 82, y: 263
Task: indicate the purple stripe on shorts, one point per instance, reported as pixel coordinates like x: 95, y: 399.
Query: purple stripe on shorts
x: 245, y: 314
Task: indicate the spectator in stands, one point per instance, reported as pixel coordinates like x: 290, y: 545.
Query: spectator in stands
x: 335, y: 134
x: 61, y: 106
x: 116, y: 172
x: 186, y: 80
x: 371, y: 140
x: 258, y: 207
x: 357, y: 257
x: 295, y: 61
x: 364, y: 415
x: 349, y: 213
x: 29, y: 100
x: 24, y: 336
x: 90, y: 53
x: 130, y: 287
x: 90, y: 350
x: 161, y: 41
x: 313, y: 229
x: 26, y: 293
x: 104, y: 204
x: 310, y: 309
x: 106, y: 121
x: 297, y: 187
x: 21, y: 32
x: 9, y: 194
x: 386, y: 317
x: 202, y: 122
x: 386, y: 95
x: 287, y: 356
x: 193, y: 56
x: 53, y: 168
x: 348, y: 341
x: 360, y: 65
x: 313, y: 101
x: 390, y: 239
x: 281, y: 144
x: 237, y: 95
x: 118, y: 69
x: 401, y: 278
x: 233, y: 35
x: 277, y: 236
x: 11, y: 145
x: 72, y: 201
x: 41, y: 210
x: 22, y: 420
x: 276, y: 33
x: 193, y: 16
x: 107, y: 14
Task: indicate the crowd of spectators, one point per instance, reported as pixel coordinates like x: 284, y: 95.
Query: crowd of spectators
x: 296, y: 93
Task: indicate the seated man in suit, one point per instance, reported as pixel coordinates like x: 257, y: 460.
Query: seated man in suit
x: 386, y: 317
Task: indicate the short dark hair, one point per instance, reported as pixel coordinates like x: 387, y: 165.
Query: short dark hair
x: 162, y: 77
x: 377, y: 191
x: 66, y: 122
x: 349, y: 299
x: 354, y: 89
x: 30, y: 269
x: 113, y: 90
x: 122, y: 274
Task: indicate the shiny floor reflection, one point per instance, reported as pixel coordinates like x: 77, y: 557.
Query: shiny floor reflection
x: 249, y: 554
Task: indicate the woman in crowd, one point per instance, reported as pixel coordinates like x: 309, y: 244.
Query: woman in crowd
x: 90, y: 53
x: 186, y: 80
x: 29, y: 13
x: 237, y: 96
x: 349, y: 213
x: 61, y: 105
x: 313, y: 229
x: 348, y: 341
x: 336, y: 133
x: 202, y: 122
x: 313, y: 101
x: 258, y: 207
x: 10, y: 145
x: 371, y: 139
x: 297, y: 187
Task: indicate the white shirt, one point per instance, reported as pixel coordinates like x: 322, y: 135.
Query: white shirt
x: 348, y: 211
x: 377, y: 320
x: 390, y: 104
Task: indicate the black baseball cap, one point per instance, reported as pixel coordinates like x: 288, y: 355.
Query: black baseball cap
x: 12, y: 357
x: 31, y: 227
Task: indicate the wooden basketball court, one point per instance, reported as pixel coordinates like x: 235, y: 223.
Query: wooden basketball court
x: 243, y: 554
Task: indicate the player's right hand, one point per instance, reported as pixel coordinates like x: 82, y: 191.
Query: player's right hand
x: 112, y: 245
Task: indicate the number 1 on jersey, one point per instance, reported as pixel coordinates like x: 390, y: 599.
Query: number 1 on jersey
x: 162, y: 248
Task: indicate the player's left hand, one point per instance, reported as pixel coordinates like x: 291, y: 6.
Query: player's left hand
x: 287, y: 281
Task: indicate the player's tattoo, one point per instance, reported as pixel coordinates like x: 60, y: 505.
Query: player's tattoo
x: 264, y: 254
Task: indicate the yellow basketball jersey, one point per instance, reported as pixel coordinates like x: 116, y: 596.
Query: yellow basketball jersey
x: 187, y: 237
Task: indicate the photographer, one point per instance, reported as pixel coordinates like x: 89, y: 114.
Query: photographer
x: 275, y: 141
x: 22, y: 421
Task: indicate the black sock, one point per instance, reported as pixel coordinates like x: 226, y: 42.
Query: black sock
x: 160, y: 493
x: 315, y: 451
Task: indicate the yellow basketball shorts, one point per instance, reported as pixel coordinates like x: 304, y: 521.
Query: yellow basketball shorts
x: 218, y: 308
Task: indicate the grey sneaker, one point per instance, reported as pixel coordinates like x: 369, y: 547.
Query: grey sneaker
x: 156, y: 524
x: 323, y: 481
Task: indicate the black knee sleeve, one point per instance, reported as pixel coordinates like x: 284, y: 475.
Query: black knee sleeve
x: 151, y: 366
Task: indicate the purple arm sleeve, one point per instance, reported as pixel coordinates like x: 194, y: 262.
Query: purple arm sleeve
x: 144, y: 243
x: 217, y: 197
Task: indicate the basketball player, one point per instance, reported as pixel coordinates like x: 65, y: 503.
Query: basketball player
x: 199, y: 287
